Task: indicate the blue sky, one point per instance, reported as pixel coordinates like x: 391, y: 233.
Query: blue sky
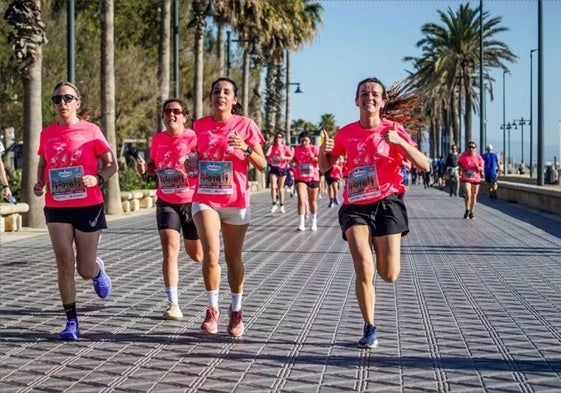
x: 359, y: 39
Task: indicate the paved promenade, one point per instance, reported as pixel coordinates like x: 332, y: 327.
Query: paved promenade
x: 477, y: 308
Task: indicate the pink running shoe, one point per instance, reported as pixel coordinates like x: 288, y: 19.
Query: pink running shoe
x: 210, y: 324
x: 235, y: 327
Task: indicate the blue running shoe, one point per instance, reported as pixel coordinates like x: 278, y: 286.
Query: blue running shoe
x: 71, y: 331
x: 370, y: 337
x: 102, y: 283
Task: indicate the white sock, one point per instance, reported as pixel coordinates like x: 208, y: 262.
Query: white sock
x: 213, y: 298
x: 237, y: 301
x: 314, y: 216
x: 172, y: 294
x: 302, y: 220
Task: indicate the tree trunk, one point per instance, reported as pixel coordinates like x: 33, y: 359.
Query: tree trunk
x: 32, y: 125
x: 199, y: 68
x: 113, y: 194
x: 164, y: 56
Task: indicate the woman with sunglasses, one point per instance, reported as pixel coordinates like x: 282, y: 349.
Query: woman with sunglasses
x: 171, y: 159
x: 278, y: 156
x: 471, y: 166
x: 228, y: 142
x: 75, y: 160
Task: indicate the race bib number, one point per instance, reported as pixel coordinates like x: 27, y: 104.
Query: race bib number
x: 306, y: 170
x: 216, y: 177
x: 469, y: 173
x: 66, y: 183
x: 171, y: 180
x: 362, y: 184
x: 276, y: 161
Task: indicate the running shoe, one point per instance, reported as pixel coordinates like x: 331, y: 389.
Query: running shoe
x: 330, y: 205
x: 173, y: 312
x: 314, y: 225
x: 301, y: 227
x: 282, y: 209
x: 102, y: 283
x: 466, y: 214
x: 274, y: 208
x: 369, y: 338
x: 471, y: 216
x: 235, y: 326
x: 210, y: 325
x: 337, y: 201
x: 71, y: 331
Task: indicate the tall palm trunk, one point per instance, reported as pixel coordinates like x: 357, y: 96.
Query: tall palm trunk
x: 164, y: 56
x: 113, y: 195
x: 32, y: 124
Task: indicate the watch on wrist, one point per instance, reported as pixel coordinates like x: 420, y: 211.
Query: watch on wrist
x: 248, y: 151
x: 100, y: 180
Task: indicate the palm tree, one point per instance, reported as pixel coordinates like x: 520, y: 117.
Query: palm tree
x: 327, y: 122
x: 113, y: 195
x: 28, y: 39
x: 451, y: 57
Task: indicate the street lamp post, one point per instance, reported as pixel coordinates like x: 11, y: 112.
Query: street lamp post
x: 503, y: 127
x: 531, y: 113
x: 508, y: 128
x: 521, y: 122
x: 287, y: 108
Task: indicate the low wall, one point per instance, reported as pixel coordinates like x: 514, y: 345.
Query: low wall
x: 547, y: 198
x: 10, y: 216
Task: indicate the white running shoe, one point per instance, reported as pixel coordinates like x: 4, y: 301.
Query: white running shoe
x: 274, y: 208
x: 173, y: 312
x: 314, y: 226
x: 282, y: 209
x: 301, y: 227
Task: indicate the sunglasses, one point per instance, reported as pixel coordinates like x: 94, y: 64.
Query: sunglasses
x: 278, y: 137
x: 472, y: 147
x: 175, y: 111
x: 68, y: 98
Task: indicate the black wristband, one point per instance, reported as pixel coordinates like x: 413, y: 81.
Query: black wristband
x: 100, y: 180
x: 6, y: 186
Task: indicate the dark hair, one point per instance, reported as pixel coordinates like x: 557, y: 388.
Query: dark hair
x: 302, y: 135
x: 373, y: 80
x: 184, y: 108
x: 237, y: 108
x: 84, y: 112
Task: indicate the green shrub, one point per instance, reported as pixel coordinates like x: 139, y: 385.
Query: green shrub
x: 130, y: 180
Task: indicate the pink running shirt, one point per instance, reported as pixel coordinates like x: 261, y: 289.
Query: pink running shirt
x: 373, y: 167
x: 307, y: 168
x: 71, y: 151
x: 469, y: 164
x: 169, y: 154
x: 223, y: 180
x: 277, y: 151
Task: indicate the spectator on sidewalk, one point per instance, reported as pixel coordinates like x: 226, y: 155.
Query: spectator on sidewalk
x: 491, y: 170
x: 171, y: 151
x: 228, y: 142
x: 453, y: 170
x: 373, y: 215
x: 75, y: 160
x: 6, y: 192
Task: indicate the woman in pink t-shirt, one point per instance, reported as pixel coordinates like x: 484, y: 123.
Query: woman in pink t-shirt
x: 278, y: 156
x: 171, y: 151
x: 70, y: 152
x: 373, y: 215
x: 471, y: 165
x: 306, y: 179
x: 227, y: 144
